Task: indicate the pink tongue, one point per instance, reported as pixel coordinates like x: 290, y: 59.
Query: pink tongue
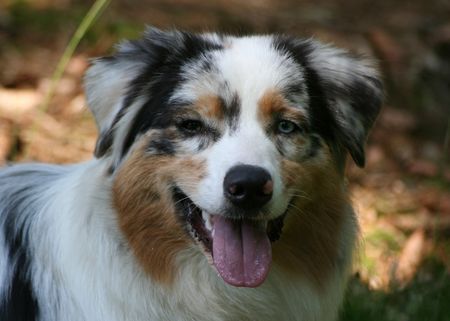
x: 241, y: 251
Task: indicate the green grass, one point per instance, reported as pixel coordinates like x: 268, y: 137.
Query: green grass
x: 25, y: 19
x: 42, y: 24
x: 426, y: 298
x: 83, y: 27
x: 385, y: 239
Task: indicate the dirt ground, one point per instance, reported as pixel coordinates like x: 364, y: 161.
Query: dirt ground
x: 402, y: 195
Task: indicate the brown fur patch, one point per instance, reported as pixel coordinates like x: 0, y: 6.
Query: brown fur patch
x: 310, y: 240
x: 146, y: 213
x: 210, y: 106
x: 273, y: 103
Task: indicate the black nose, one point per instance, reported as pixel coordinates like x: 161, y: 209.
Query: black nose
x: 248, y: 187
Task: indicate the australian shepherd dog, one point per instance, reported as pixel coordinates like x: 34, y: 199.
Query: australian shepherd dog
x: 217, y: 189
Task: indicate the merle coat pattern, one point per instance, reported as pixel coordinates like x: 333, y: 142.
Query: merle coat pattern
x: 216, y: 193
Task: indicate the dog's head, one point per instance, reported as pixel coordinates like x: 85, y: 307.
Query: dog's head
x: 211, y: 138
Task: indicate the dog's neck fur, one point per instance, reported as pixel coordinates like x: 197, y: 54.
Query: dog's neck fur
x: 99, y: 278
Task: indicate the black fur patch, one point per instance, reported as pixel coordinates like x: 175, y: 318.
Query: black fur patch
x: 294, y: 89
x: 161, y: 146
x: 232, y: 112
x: 104, y: 142
x: 20, y: 303
x: 210, y: 136
x: 315, y: 145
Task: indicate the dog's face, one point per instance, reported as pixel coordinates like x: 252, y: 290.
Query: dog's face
x: 213, y: 140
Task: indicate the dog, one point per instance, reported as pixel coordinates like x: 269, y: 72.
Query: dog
x: 217, y: 190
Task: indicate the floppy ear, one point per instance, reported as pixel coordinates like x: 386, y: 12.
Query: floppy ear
x: 114, y: 83
x: 106, y: 84
x: 353, y: 93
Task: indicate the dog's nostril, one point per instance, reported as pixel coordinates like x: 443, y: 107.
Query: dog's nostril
x: 268, y: 188
x: 248, y: 187
x: 236, y: 190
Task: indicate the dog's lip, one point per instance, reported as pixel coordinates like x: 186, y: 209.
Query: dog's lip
x: 197, y: 222
x: 200, y: 223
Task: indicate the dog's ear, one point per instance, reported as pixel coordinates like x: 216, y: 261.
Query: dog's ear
x: 112, y: 83
x: 353, y: 93
x: 345, y: 92
x: 106, y: 84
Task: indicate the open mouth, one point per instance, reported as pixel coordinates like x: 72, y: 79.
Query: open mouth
x: 240, y: 249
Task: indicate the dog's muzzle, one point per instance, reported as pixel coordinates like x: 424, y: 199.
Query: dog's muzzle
x: 238, y: 239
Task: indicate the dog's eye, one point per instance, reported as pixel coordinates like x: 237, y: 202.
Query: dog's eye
x: 286, y: 127
x: 191, y: 126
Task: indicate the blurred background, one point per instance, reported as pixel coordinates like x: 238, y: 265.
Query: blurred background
x: 402, y: 271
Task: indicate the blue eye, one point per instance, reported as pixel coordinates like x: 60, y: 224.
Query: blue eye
x: 286, y: 127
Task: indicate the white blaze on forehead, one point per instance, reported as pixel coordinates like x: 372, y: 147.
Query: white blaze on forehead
x: 251, y: 66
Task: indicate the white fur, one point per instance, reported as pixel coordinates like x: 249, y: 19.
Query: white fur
x: 334, y: 64
x: 106, y: 84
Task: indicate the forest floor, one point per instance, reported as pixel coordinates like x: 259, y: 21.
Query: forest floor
x: 402, y: 196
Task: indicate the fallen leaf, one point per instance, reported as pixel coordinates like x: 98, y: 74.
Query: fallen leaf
x: 410, y: 258
x: 16, y: 102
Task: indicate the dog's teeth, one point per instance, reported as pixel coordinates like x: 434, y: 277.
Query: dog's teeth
x: 207, y: 220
